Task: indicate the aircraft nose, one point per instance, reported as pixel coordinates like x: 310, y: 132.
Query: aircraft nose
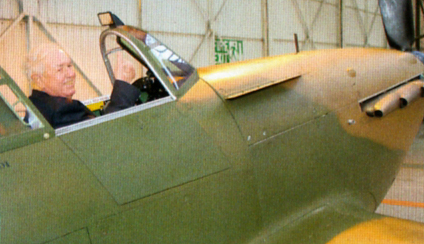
x: 391, y: 119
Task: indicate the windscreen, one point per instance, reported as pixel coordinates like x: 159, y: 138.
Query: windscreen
x: 175, y: 68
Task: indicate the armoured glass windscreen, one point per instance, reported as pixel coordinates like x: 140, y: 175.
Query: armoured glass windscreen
x: 116, y: 54
x: 118, y: 50
x: 175, y: 68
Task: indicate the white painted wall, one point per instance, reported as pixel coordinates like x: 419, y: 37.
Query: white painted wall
x: 353, y: 29
x: 182, y: 25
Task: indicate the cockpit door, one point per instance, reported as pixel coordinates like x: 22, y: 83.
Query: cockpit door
x: 16, y: 130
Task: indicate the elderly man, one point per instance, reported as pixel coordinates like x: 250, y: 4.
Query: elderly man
x: 52, y: 76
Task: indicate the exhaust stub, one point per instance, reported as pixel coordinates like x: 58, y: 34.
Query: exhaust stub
x: 396, y: 98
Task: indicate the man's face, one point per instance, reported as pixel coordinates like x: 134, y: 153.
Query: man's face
x: 58, y: 78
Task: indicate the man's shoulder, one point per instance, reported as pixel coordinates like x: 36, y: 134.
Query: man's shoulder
x: 42, y: 99
x: 60, y: 111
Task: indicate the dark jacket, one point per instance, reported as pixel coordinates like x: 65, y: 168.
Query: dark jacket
x: 60, y: 111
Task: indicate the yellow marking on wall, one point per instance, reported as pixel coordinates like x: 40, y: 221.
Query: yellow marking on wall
x: 383, y: 231
x: 403, y: 203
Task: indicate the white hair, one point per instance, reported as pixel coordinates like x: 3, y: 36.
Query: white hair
x: 34, y: 63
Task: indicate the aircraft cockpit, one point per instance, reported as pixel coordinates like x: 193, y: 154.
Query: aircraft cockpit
x: 161, y: 75
x: 160, y: 71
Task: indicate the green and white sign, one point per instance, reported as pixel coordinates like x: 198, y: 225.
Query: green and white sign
x: 228, y: 50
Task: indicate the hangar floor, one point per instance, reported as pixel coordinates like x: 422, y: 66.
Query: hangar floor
x: 405, y: 198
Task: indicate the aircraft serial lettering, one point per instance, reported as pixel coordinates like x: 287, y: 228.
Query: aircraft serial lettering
x: 4, y: 165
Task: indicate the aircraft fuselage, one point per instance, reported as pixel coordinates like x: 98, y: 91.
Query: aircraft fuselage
x: 251, y: 147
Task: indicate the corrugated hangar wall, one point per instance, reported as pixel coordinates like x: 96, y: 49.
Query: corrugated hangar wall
x: 204, y: 32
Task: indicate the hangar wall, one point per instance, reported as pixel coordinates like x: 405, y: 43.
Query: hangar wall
x: 204, y: 32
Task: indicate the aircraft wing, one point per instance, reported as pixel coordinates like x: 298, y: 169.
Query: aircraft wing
x: 238, y: 79
x: 337, y: 225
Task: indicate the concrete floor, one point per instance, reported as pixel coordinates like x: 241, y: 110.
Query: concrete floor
x: 405, y: 198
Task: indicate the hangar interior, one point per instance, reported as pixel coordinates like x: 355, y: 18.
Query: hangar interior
x: 192, y: 28
x: 205, y: 32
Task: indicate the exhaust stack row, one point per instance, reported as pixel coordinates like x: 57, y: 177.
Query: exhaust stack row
x: 397, y: 98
